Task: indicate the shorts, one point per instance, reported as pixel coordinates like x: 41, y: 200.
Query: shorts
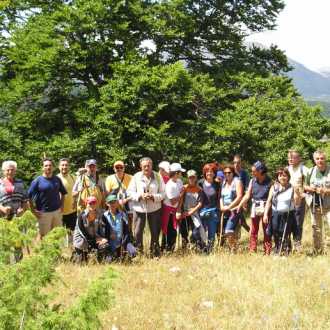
x: 48, y: 221
x: 69, y: 220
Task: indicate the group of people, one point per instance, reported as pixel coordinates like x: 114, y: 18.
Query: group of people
x: 108, y: 217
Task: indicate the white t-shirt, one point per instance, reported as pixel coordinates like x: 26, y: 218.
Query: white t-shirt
x: 298, y: 175
x: 172, y: 190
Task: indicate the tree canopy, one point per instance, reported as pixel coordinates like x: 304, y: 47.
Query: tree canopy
x: 170, y: 79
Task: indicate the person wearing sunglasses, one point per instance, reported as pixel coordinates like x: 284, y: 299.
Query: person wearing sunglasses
x: 118, y: 183
x: 231, y: 195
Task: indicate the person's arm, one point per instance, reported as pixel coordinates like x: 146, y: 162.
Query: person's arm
x: 239, y: 195
x: 132, y: 190
x: 246, y: 197
x: 268, y: 205
x: 77, y: 186
x: 181, y: 201
x: 63, y: 192
x: 32, y: 191
x: 308, y: 187
x: 160, y: 195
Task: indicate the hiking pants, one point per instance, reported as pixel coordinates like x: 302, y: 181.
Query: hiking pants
x: 169, y: 239
x: 318, y: 222
x: 280, y: 222
x: 154, y: 222
x: 254, y: 235
x: 297, y: 229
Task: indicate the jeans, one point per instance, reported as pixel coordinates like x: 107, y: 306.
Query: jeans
x: 210, y: 222
x: 282, y: 224
x: 297, y: 229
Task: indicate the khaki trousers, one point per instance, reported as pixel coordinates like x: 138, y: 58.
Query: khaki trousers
x: 319, y: 221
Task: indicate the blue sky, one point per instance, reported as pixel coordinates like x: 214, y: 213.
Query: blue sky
x: 303, y: 32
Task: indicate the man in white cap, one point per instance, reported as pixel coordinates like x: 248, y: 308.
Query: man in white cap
x: 164, y: 170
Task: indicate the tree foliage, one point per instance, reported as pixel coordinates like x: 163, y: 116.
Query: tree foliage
x: 121, y: 79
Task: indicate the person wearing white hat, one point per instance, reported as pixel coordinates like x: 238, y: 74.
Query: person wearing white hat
x: 173, y: 190
x: 164, y: 170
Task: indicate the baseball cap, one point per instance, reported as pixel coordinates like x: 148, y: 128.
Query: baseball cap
x: 260, y: 166
x: 191, y: 173
x: 111, y: 198
x: 91, y: 200
x: 176, y: 167
x: 118, y: 162
x: 90, y: 162
x: 164, y: 165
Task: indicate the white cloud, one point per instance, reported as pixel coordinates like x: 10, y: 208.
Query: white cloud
x: 302, y: 32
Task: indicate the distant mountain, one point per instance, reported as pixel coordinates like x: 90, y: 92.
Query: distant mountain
x: 309, y: 83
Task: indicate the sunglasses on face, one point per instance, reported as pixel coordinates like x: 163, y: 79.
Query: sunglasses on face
x: 119, y: 167
x: 227, y: 173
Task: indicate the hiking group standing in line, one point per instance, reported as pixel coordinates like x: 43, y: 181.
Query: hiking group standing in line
x: 109, y: 217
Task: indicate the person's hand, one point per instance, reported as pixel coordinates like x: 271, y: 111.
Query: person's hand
x: 19, y: 211
x: 178, y: 215
x: 321, y: 191
x: 6, y: 210
x: 37, y: 214
x: 113, y: 236
x: 225, y: 208
x: 147, y: 196
x: 101, y: 241
x: 265, y: 218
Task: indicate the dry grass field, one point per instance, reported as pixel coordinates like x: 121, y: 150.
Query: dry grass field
x: 218, y: 291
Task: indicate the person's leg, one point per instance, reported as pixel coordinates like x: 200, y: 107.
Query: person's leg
x: 44, y: 223
x: 56, y: 219
x: 231, y: 224
x: 154, y: 222
x: 171, y: 234
x: 212, y: 228
x: 254, y: 234
x: 317, y: 226
x: 140, y: 222
x: 267, y: 239
x: 297, y: 226
x: 184, y: 231
x: 243, y: 222
x: 276, y: 233
x: 289, y: 228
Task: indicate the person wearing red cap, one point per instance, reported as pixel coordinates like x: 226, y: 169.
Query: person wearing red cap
x: 87, y: 235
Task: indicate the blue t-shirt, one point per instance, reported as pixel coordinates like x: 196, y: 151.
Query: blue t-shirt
x: 245, y: 179
x: 45, y: 192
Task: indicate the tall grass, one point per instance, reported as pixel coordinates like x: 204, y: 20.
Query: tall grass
x: 218, y: 291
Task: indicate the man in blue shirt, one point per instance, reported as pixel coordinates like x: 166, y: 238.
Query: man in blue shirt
x: 46, y: 198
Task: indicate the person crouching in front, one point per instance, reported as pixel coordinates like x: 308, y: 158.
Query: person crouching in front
x: 88, y: 234
x: 116, y: 229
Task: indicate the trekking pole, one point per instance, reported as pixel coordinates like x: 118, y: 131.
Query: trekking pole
x: 221, y: 228
x: 322, y: 222
x: 283, y: 236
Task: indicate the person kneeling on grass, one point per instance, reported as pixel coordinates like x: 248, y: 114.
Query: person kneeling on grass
x: 87, y: 236
x: 116, y: 229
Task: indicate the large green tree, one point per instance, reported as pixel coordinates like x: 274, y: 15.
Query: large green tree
x: 116, y: 78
